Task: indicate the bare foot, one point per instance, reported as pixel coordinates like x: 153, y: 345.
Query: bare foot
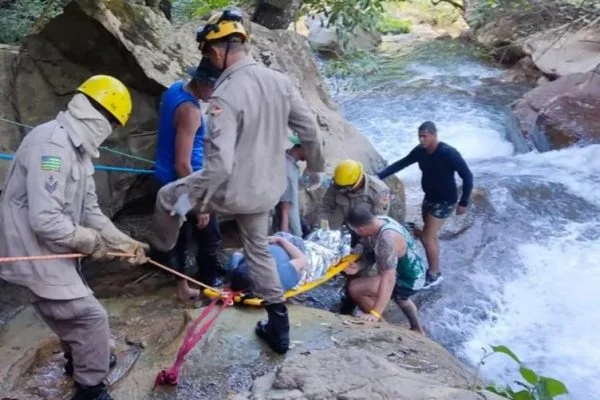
x: 185, y: 293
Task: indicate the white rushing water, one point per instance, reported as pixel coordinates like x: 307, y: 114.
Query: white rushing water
x: 526, y: 273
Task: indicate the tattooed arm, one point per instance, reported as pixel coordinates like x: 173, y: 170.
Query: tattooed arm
x: 387, y: 250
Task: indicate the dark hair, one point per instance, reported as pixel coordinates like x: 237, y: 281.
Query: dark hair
x: 360, y: 216
x: 428, y: 127
x: 206, y: 73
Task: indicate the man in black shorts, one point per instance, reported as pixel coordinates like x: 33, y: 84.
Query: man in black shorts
x: 438, y: 162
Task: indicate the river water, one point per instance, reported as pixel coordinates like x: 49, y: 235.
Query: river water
x: 526, y: 272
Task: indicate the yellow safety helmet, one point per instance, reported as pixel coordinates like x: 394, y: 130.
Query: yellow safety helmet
x: 348, y: 173
x: 222, y: 25
x: 111, y: 94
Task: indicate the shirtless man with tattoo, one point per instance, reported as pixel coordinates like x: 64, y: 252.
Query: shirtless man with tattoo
x: 401, y: 271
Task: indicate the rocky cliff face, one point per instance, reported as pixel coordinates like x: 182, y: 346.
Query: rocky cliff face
x: 138, y: 45
x: 562, y: 41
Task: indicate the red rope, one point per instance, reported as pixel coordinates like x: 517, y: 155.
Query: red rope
x: 171, y: 376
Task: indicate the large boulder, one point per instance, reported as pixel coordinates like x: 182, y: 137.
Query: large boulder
x: 560, y: 52
x: 354, y: 373
x: 138, y: 45
x: 326, y: 39
x: 10, y: 133
x: 132, y: 42
x: 561, y: 113
x: 332, y: 357
x: 557, y: 38
x: 275, y: 14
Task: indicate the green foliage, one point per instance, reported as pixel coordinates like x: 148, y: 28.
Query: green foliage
x: 442, y: 15
x: 346, y: 15
x: 184, y: 10
x: 357, y: 63
x: 18, y: 17
x: 535, y: 386
x: 389, y: 25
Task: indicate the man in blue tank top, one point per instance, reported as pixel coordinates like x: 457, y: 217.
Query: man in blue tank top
x: 179, y: 153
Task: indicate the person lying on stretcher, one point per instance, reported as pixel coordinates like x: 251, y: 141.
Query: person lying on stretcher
x: 289, y: 256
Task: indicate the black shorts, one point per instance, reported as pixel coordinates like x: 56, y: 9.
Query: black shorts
x: 440, y: 210
x: 402, y: 293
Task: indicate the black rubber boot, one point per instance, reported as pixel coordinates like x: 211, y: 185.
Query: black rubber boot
x: 347, y: 304
x: 276, y: 330
x: 97, y: 392
x: 69, y: 365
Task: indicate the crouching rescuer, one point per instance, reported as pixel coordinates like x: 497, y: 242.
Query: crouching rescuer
x: 249, y: 114
x: 49, y: 206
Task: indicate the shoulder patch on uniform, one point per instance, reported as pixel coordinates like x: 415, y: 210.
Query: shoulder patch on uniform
x: 51, y: 184
x: 214, y: 110
x: 51, y: 163
x: 384, y: 198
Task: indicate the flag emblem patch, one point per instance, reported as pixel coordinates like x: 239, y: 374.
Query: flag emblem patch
x: 51, y: 163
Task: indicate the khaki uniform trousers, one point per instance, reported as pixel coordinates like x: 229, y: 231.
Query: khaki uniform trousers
x: 265, y: 280
x: 82, y: 326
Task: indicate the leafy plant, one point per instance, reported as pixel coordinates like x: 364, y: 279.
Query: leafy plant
x: 357, y: 63
x: 389, y: 25
x: 534, y: 386
x: 346, y: 14
x: 184, y: 10
x: 17, y: 17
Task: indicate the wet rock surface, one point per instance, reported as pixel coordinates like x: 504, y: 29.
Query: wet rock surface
x: 230, y: 362
x: 561, y: 113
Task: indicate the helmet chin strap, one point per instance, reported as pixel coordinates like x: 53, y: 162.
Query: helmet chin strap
x: 226, y: 54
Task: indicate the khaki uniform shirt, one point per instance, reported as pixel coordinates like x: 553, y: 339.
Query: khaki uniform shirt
x: 251, y: 110
x: 49, y: 190
x: 336, y: 205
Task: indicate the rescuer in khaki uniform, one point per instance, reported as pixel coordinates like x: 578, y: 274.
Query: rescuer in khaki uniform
x: 49, y: 206
x: 244, y: 171
x: 351, y: 187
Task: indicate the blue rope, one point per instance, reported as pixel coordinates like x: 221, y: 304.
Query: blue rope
x: 102, y: 147
x: 123, y: 169
x: 127, y: 155
x: 4, y: 156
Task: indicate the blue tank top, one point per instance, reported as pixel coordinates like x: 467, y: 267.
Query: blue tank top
x: 164, y: 170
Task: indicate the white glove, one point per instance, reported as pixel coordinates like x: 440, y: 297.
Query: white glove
x: 85, y: 240
x: 116, y: 241
x: 182, y: 206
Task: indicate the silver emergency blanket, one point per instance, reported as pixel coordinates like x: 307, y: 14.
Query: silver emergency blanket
x: 323, y: 248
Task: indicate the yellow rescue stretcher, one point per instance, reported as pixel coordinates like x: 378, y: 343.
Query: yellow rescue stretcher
x: 333, y: 270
